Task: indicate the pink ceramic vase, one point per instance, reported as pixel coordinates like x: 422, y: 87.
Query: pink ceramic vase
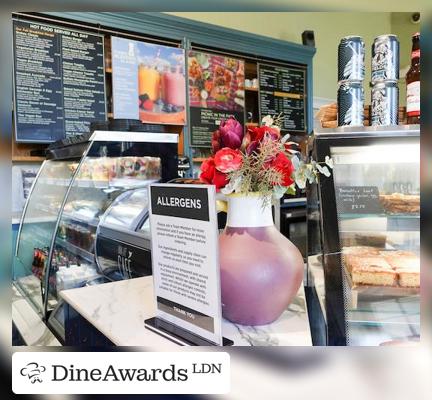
x: 261, y: 270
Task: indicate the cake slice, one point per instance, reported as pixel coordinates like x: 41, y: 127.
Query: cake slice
x: 371, y: 270
x: 407, y: 268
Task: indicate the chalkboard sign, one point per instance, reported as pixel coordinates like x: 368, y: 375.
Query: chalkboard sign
x: 358, y: 200
x: 59, y: 81
x: 282, y: 91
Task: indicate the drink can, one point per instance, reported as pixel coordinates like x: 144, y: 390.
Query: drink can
x: 351, y: 56
x: 350, y: 103
x: 385, y: 103
x: 385, y: 58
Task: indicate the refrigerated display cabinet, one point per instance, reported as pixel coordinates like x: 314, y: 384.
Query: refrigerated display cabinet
x: 364, y: 237
x: 74, y: 188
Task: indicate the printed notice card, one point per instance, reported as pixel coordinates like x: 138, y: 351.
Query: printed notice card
x: 185, y: 258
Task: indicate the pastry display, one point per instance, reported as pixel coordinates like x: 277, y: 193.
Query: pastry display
x: 407, y: 266
x: 398, y: 203
x: 378, y: 267
x: 365, y: 239
x: 371, y: 270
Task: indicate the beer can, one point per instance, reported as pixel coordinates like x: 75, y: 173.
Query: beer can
x: 350, y: 103
x: 385, y: 58
x: 351, y: 56
x: 385, y: 103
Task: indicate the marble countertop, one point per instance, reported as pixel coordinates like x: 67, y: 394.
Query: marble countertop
x: 118, y: 311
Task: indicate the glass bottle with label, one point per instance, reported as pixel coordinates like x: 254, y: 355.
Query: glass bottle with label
x: 413, y: 83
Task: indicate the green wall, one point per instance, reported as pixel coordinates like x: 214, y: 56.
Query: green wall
x: 329, y: 27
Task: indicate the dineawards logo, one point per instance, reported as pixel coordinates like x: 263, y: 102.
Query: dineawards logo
x: 60, y: 373
x: 33, y: 371
x: 126, y: 372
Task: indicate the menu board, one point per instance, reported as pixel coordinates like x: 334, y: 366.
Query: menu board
x: 59, y: 81
x: 148, y: 82
x: 216, y: 92
x: 282, y: 91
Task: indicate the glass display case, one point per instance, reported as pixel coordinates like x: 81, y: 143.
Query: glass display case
x: 123, y: 248
x: 75, y: 186
x: 364, y: 236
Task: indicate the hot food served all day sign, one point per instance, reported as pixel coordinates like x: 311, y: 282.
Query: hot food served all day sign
x: 185, y: 260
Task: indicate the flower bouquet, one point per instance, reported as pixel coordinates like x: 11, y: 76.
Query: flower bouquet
x: 259, y: 160
x: 261, y: 270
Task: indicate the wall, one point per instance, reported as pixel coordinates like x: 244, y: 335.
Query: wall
x: 328, y: 28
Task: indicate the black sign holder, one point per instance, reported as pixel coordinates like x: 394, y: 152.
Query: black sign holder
x: 180, y: 335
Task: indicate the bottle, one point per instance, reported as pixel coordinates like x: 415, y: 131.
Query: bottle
x: 413, y: 83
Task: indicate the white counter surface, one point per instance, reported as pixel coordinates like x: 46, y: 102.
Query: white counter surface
x: 118, y: 311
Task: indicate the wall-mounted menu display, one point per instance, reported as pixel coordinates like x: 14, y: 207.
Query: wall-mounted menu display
x: 59, y: 81
x: 148, y: 82
x: 216, y: 92
x: 282, y: 91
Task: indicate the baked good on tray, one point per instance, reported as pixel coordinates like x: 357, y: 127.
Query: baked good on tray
x: 372, y: 270
x: 374, y: 266
x: 398, y: 203
x: 407, y: 266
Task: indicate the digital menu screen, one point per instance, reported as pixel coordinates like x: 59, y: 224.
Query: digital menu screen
x: 59, y: 81
x: 282, y: 91
x: 216, y: 92
x: 148, y: 82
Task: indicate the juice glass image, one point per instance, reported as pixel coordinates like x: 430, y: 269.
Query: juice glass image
x: 149, y: 82
x: 174, y: 88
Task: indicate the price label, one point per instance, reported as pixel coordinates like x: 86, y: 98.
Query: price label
x: 358, y: 200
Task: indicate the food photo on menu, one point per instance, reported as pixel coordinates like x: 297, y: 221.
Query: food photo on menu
x: 216, y: 82
x: 148, y: 82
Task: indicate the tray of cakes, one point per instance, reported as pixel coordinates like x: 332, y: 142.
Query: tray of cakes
x: 373, y: 271
x: 399, y: 203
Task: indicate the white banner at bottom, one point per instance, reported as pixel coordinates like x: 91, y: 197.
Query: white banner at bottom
x: 120, y: 372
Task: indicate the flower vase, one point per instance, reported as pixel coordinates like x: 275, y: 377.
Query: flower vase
x: 261, y: 270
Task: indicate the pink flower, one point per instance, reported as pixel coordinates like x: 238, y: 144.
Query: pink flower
x: 228, y: 160
x: 230, y: 134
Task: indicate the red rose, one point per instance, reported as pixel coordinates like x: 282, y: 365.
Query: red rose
x: 219, y: 180
x: 283, y: 164
x: 258, y: 133
x: 228, y: 160
x: 208, y: 171
x: 210, y: 175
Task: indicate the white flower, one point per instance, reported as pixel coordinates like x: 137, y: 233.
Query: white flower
x: 285, y: 138
x: 324, y: 170
x: 329, y: 162
x: 278, y: 192
x: 268, y: 120
x: 232, y: 186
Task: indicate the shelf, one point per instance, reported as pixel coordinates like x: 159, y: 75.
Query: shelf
x: 251, y: 89
x: 78, y: 251
x: 28, y: 159
x: 199, y: 159
x: 252, y: 124
x: 108, y: 70
x: 84, y: 183
x: 380, y: 215
x: 91, y: 221
x: 367, y: 131
x: 379, y: 222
